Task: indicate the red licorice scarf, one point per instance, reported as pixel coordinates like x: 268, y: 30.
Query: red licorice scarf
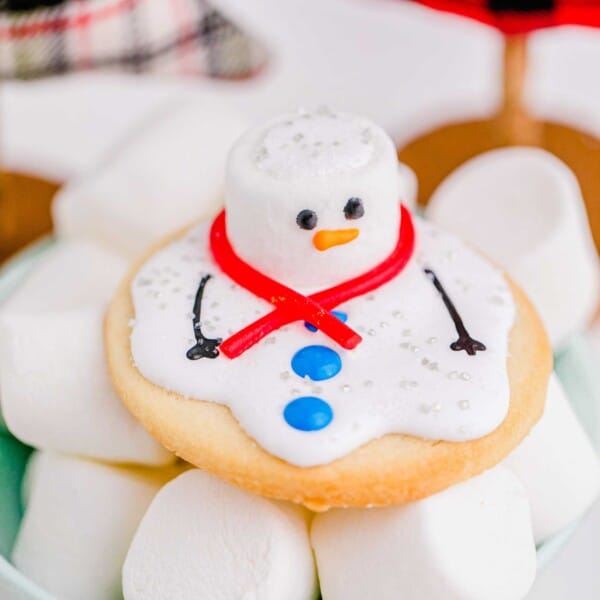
x: 292, y: 306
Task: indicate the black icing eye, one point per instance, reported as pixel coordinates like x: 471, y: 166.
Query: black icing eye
x: 307, y: 219
x: 354, y: 209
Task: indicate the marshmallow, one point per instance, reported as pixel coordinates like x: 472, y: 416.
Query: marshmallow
x: 523, y: 208
x: 469, y: 542
x: 558, y: 87
x: 313, y: 164
x: 168, y: 175
x: 409, y: 186
x: 203, y: 539
x: 79, y: 522
x: 13, y: 457
x: 557, y: 465
x: 56, y: 392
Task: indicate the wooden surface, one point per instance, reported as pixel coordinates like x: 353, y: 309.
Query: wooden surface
x: 24, y: 210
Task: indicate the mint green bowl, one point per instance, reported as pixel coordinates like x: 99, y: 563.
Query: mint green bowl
x: 573, y: 365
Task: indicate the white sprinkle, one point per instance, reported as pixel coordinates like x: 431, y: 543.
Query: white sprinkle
x: 372, y: 332
x: 345, y: 388
x: 397, y: 314
x: 144, y: 281
x: 284, y: 375
x: 465, y: 376
x: 432, y: 340
x: 434, y: 366
x: 368, y: 383
x: 406, y: 332
x: 271, y: 340
x: 453, y: 375
x: 131, y: 323
x: 415, y: 349
x: 464, y: 405
x: 383, y: 324
x: 450, y: 254
x: 214, y: 304
x: 405, y: 345
x: 437, y: 407
x: 406, y: 383
x: 425, y: 361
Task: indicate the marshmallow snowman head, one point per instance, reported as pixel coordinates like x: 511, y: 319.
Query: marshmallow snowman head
x: 312, y: 198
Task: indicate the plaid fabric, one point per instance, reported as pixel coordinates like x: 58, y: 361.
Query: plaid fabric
x: 183, y: 37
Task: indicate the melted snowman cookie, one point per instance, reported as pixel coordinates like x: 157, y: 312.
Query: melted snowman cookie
x: 310, y: 400
x: 316, y: 326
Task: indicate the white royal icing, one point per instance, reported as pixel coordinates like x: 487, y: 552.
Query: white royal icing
x: 402, y: 378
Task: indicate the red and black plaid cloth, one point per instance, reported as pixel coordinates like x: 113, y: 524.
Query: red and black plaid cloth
x: 523, y: 16
x: 183, y: 37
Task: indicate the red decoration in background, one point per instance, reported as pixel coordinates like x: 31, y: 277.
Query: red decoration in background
x: 292, y: 306
x: 523, y: 16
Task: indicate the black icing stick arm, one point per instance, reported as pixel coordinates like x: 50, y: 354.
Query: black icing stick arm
x: 464, y: 342
x: 204, y: 347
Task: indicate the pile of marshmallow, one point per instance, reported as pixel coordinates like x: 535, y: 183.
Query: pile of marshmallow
x: 110, y: 512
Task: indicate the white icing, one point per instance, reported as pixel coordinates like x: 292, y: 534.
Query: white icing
x: 315, y: 143
x: 402, y: 378
x: 263, y: 203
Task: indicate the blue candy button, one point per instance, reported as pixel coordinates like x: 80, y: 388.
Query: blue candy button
x: 342, y: 316
x: 318, y: 362
x: 308, y: 413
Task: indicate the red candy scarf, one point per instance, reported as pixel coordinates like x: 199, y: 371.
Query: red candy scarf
x: 292, y: 306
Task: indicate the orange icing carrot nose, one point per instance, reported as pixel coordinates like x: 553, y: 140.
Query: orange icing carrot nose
x: 327, y: 238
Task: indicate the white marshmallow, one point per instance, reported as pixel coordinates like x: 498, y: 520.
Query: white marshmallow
x: 56, y: 392
x: 523, y: 208
x: 470, y: 542
x: 168, y: 175
x: 409, y: 186
x: 203, y: 539
x: 558, y: 86
x: 557, y: 465
x: 78, y: 524
x: 312, y: 161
